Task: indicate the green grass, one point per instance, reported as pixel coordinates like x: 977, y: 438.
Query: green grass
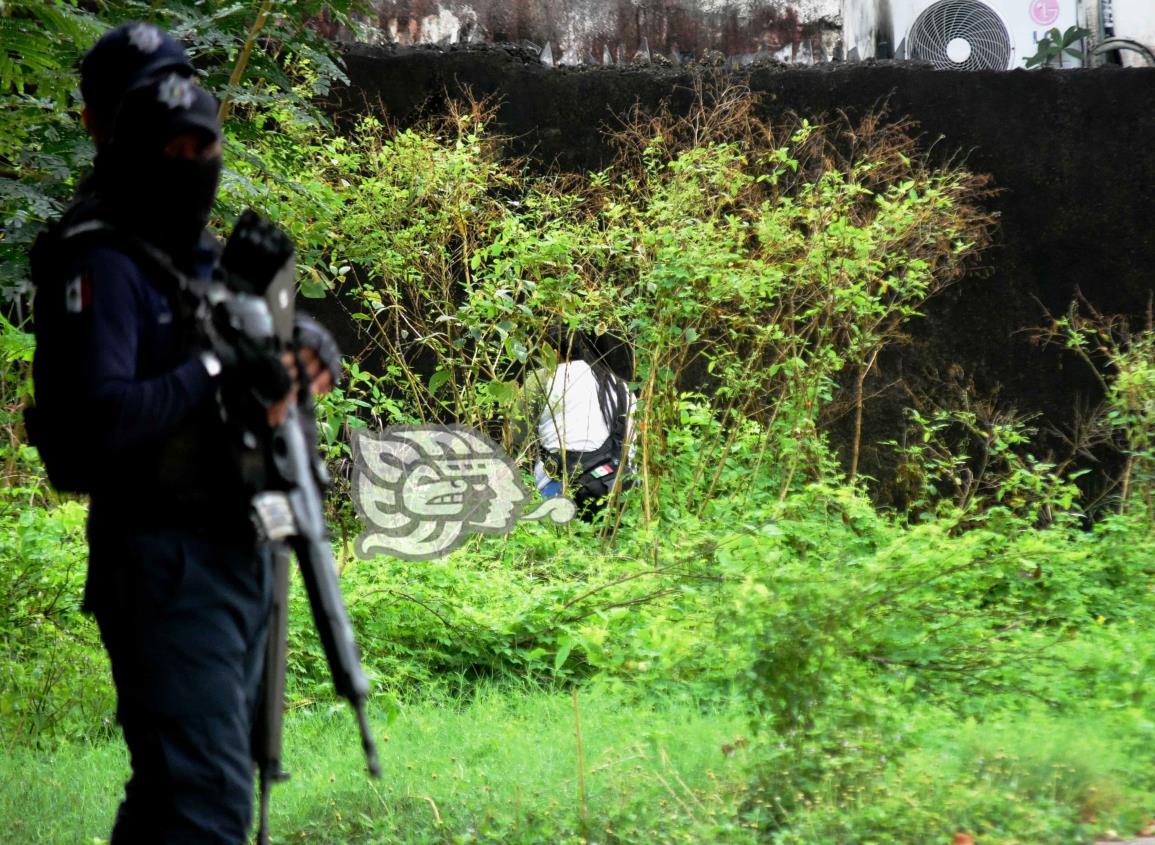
x: 1030, y: 778
x: 501, y: 768
x: 68, y: 795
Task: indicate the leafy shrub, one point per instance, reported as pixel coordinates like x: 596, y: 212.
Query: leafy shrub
x: 1123, y: 359
x: 758, y: 260
x: 54, y: 679
x: 1033, y: 777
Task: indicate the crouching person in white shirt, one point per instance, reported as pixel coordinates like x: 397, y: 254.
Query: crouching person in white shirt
x: 583, y: 414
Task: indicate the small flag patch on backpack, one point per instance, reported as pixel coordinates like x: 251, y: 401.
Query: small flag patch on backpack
x: 78, y: 294
x: 602, y: 471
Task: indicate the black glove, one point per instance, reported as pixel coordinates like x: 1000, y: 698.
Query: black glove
x: 249, y: 365
x: 312, y: 335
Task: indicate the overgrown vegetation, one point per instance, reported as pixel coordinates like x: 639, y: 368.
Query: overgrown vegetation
x: 767, y: 655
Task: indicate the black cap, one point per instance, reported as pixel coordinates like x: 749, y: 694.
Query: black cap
x: 155, y: 113
x: 123, y: 58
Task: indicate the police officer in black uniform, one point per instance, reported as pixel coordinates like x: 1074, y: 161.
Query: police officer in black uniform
x: 178, y: 582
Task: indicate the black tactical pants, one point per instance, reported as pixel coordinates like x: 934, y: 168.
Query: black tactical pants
x: 184, y: 621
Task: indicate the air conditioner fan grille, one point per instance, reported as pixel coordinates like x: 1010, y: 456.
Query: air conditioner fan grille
x: 961, y: 35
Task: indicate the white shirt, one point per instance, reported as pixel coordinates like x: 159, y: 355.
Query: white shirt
x: 572, y: 419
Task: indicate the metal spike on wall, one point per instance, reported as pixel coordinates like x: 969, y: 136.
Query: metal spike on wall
x: 569, y: 57
x: 607, y: 56
x: 621, y: 54
x: 675, y: 55
x: 642, y: 57
x: 546, y: 56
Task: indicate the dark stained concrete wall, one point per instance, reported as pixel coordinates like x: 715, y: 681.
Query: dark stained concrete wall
x: 1073, y: 153
x: 579, y: 31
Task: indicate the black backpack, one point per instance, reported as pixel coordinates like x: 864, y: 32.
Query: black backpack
x: 55, y: 421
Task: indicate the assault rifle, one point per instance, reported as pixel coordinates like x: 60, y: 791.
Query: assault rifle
x: 250, y: 320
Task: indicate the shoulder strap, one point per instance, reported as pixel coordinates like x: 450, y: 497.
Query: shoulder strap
x: 621, y: 406
x: 157, y: 265
x: 92, y: 233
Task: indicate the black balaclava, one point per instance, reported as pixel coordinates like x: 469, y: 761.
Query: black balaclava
x: 163, y: 199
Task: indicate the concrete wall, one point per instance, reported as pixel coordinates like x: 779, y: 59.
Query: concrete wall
x: 594, y: 32
x: 586, y: 31
x: 868, y: 29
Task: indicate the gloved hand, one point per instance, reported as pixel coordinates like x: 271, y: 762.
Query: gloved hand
x: 249, y: 368
x: 319, y: 353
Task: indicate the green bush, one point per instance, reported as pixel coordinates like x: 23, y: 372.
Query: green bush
x: 54, y: 680
x: 1032, y: 777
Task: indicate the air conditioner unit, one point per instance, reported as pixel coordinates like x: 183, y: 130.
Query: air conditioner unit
x: 1131, y: 21
x: 978, y: 34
